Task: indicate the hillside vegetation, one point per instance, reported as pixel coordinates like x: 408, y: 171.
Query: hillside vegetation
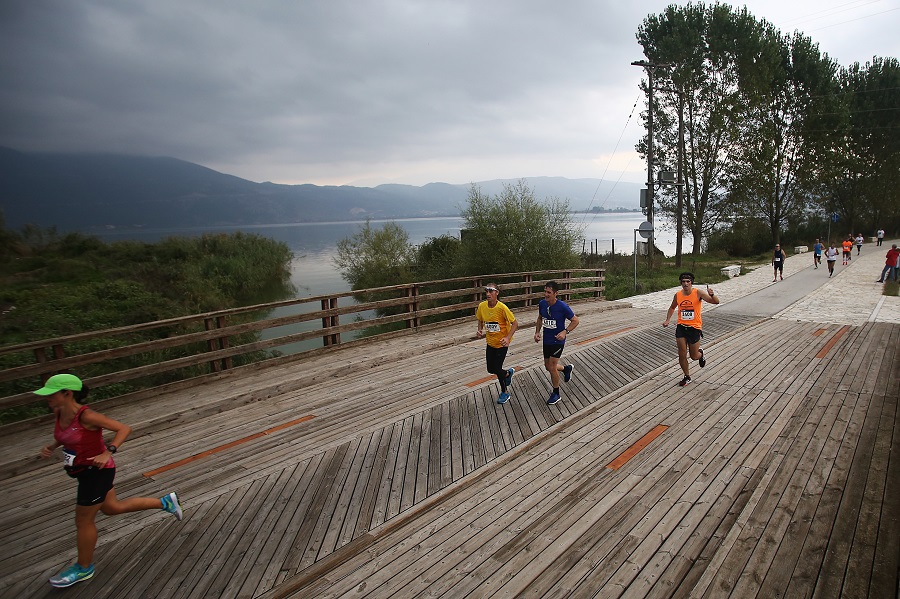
x: 52, y: 286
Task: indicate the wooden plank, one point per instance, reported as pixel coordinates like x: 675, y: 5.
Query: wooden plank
x: 329, y: 467
x: 476, y: 435
x: 489, y: 429
x: 455, y: 441
x: 379, y: 514
x: 424, y: 463
x: 887, y: 549
x: 346, y: 508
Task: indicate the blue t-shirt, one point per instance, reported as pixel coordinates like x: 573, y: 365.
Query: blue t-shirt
x: 554, y: 320
x: 818, y: 249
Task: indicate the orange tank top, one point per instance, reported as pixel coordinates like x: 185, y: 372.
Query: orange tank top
x: 689, y: 309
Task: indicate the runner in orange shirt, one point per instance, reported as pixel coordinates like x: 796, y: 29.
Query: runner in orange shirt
x: 847, y: 244
x: 689, y: 329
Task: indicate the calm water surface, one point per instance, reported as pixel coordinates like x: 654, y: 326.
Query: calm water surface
x: 314, y: 245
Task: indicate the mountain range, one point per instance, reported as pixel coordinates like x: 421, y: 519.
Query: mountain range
x: 82, y: 192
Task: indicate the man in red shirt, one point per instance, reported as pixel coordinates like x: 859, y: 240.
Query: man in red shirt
x: 890, y: 264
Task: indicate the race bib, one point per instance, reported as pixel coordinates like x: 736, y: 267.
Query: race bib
x: 777, y: 259
x: 492, y: 327
x: 687, y: 315
x: 549, y: 323
x: 68, y: 457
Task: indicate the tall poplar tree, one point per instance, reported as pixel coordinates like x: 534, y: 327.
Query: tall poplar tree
x: 705, y: 46
x: 865, y: 185
x: 790, y: 131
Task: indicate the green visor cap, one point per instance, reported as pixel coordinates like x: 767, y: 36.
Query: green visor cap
x: 58, y: 382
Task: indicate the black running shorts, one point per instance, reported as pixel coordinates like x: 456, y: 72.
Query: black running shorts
x: 690, y: 333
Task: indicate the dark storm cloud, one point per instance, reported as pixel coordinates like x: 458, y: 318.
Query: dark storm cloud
x: 324, y: 90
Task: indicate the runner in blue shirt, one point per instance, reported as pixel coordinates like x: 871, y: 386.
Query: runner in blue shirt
x: 817, y: 253
x: 552, y: 316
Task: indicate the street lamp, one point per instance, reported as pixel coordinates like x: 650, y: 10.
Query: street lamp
x: 649, y: 67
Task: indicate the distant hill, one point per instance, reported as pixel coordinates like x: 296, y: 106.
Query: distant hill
x: 89, y: 191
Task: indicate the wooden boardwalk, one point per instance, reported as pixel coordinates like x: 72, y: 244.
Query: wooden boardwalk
x: 390, y: 471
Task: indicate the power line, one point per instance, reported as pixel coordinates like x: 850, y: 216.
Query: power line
x: 596, y: 191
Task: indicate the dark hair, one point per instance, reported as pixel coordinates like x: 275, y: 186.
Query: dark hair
x: 686, y: 275
x: 552, y: 285
x: 81, y: 394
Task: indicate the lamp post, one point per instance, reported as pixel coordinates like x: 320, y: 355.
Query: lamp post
x: 650, y: 184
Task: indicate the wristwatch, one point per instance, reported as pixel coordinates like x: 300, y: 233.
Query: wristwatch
x: 111, y: 448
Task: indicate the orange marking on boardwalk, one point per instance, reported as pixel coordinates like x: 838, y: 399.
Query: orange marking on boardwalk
x: 637, y: 447
x: 215, y: 450
x: 606, y: 335
x: 490, y: 378
x: 832, y: 342
x: 818, y: 332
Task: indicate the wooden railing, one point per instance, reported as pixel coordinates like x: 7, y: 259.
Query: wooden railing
x: 210, y: 344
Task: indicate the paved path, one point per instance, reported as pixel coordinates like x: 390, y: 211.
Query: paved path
x: 852, y: 296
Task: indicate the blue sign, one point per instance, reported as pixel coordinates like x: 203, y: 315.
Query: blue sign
x: 835, y: 218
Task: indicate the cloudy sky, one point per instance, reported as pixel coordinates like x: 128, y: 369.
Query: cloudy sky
x: 335, y: 92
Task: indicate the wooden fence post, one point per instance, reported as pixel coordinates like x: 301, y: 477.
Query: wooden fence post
x: 412, y: 307
x: 330, y: 321
x: 217, y: 343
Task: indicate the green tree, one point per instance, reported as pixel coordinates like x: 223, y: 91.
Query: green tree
x: 513, y: 232
x: 723, y: 61
x: 788, y: 136
x: 376, y: 257
x: 865, y: 179
x: 775, y: 130
x: 437, y: 258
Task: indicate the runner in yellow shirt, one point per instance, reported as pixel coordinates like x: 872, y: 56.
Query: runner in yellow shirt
x: 497, y: 324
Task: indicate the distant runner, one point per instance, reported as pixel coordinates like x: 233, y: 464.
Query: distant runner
x: 859, y: 242
x: 497, y: 323
x: 778, y: 262
x: 817, y: 253
x: 689, y: 330
x: 831, y: 255
x: 847, y: 246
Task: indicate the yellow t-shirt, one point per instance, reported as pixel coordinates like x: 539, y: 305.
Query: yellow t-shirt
x: 496, y: 321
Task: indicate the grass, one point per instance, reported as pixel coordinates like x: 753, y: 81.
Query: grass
x: 620, y: 272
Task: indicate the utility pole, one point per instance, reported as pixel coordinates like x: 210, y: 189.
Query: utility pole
x: 650, y: 183
x: 682, y: 180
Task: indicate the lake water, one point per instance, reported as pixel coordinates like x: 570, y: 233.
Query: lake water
x: 314, y: 245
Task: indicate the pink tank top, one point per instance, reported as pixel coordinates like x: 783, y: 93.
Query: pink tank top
x: 80, y: 444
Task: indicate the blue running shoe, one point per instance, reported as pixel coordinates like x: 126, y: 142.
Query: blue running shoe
x: 567, y: 372
x: 554, y: 398
x: 504, y: 397
x: 508, y: 381
x: 71, y: 575
x: 171, y: 504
